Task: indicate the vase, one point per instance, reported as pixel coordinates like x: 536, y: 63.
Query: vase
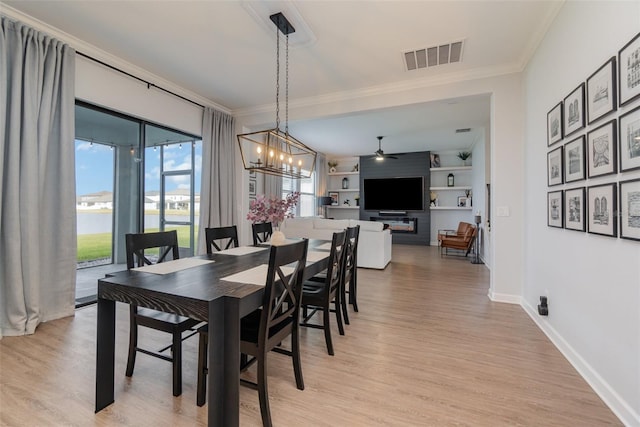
x: 277, y: 237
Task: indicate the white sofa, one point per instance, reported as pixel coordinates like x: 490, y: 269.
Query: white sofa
x: 374, y: 244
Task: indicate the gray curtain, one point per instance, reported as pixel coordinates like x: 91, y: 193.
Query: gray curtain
x: 218, y: 190
x: 321, y: 180
x: 37, y: 191
x: 272, y: 186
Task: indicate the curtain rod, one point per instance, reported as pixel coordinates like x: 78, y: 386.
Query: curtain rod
x: 149, y: 84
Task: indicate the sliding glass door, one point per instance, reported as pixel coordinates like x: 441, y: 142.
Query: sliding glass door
x: 131, y: 176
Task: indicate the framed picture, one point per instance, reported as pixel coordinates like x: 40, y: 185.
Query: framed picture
x: 629, y: 138
x: 555, y: 213
x: 334, y: 198
x: 629, y: 74
x: 574, y: 209
x: 602, y: 145
x: 435, y: 160
x: 602, y: 208
x: 554, y: 167
x: 464, y: 201
x: 252, y: 173
x: 601, y: 91
x: 574, y: 160
x: 554, y: 125
x: 573, y: 114
x: 630, y: 209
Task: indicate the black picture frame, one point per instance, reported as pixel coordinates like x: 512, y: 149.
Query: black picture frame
x: 602, y: 209
x: 555, y: 209
x: 629, y: 71
x: 573, y: 111
x: 555, y: 125
x: 252, y: 188
x: 629, y: 196
x: 602, y: 150
x: 555, y: 167
x: 574, y: 209
x: 629, y: 140
x: 574, y: 160
x: 602, y: 91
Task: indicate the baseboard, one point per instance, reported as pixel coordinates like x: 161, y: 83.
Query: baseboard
x: 618, y: 406
x: 506, y: 298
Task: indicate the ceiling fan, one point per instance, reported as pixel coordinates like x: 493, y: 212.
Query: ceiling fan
x: 379, y: 154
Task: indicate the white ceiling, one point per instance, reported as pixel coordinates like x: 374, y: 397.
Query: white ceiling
x: 224, y: 51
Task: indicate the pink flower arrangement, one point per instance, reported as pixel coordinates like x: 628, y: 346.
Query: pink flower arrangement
x: 272, y: 210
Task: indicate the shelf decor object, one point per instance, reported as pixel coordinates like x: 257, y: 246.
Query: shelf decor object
x: 274, y: 151
x: 345, y: 183
x: 450, y: 180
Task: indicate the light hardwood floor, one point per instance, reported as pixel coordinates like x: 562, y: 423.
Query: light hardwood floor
x: 428, y: 348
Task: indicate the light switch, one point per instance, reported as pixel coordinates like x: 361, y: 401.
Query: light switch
x: 503, y: 211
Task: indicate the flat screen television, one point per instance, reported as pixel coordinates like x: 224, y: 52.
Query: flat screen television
x: 394, y: 194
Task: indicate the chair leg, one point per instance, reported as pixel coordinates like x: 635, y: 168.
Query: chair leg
x: 338, y: 304
x: 327, y: 329
x: 202, y: 369
x: 176, y: 348
x: 133, y: 341
x: 295, y: 353
x: 343, y: 303
x: 262, y: 391
x: 353, y: 290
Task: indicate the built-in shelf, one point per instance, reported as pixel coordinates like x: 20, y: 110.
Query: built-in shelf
x: 449, y: 188
x: 451, y: 168
x: 343, y: 173
x: 345, y: 207
x: 449, y: 208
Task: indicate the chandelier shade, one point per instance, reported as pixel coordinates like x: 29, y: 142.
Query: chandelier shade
x: 273, y: 151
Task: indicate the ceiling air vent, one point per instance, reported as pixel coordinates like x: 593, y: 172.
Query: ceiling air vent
x: 433, y: 56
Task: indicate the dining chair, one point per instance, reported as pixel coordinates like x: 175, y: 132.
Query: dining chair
x: 261, y: 231
x: 318, y: 295
x: 221, y: 238
x: 264, y: 329
x: 350, y: 272
x: 165, y: 243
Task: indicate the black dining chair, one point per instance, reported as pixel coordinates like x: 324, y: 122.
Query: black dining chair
x: 320, y: 295
x: 261, y: 231
x: 221, y: 238
x: 264, y: 329
x: 165, y: 244
x: 350, y: 272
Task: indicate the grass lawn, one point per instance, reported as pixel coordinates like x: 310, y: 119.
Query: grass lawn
x: 98, y: 246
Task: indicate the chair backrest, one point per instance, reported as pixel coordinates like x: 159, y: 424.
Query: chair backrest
x: 351, y: 253
x: 336, y: 262
x: 462, y: 228
x: 136, y: 244
x: 228, y: 235
x: 282, y: 295
x: 261, y: 232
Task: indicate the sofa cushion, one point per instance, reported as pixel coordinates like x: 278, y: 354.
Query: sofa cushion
x: 367, y: 225
x: 330, y: 224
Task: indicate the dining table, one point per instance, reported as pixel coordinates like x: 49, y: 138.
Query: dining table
x: 216, y: 288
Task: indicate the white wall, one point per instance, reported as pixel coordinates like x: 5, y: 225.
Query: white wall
x: 592, y: 282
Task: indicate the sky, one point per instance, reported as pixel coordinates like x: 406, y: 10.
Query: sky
x: 95, y: 166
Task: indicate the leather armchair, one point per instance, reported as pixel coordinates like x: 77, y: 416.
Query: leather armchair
x: 463, y: 240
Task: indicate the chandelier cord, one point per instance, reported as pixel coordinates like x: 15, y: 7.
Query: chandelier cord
x: 277, y: 78
x: 286, y: 98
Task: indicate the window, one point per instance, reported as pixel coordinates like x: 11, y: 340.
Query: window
x: 306, y: 187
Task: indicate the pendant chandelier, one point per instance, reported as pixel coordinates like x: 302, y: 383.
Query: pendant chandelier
x: 273, y: 151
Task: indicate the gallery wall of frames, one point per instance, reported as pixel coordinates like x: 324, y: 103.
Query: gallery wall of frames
x: 593, y: 136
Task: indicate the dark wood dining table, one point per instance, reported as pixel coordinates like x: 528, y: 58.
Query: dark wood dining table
x: 199, y: 293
